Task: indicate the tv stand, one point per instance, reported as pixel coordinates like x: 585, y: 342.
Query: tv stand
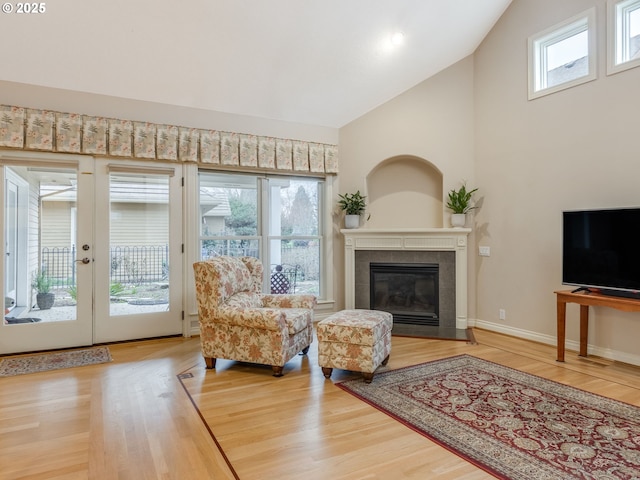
x: 585, y: 300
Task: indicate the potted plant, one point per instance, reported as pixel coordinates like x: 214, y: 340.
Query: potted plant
x: 42, y: 285
x: 353, y: 205
x: 459, y: 202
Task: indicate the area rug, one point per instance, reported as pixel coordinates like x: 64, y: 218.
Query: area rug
x: 511, y: 424
x: 53, y: 361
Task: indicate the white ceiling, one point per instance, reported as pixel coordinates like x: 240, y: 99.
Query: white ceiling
x: 315, y: 62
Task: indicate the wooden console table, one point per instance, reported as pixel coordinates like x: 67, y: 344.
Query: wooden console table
x: 586, y: 300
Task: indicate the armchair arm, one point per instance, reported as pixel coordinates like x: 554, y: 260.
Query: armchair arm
x: 288, y: 301
x: 260, y: 318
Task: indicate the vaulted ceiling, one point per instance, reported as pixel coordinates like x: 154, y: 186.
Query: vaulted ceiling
x: 315, y: 62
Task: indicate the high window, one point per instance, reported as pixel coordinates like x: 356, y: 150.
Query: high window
x: 273, y: 218
x: 562, y: 56
x: 623, y: 35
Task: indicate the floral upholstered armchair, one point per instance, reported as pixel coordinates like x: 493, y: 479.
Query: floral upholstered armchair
x: 238, y: 322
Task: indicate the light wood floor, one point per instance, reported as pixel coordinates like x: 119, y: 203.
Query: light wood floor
x: 133, y: 418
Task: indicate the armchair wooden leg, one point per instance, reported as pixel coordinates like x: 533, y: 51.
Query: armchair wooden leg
x: 305, y: 350
x: 386, y: 360
x: 326, y: 371
x: 368, y: 377
x: 277, y: 371
x: 210, y: 362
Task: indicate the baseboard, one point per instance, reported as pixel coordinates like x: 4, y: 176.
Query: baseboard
x: 551, y: 340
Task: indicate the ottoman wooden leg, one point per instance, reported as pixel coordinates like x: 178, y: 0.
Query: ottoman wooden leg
x: 368, y: 377
x: 386, y: 360
x: 326, y: 371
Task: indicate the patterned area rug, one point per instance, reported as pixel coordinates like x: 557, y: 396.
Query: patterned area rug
x: 512, y: 424
x: 53, y: 361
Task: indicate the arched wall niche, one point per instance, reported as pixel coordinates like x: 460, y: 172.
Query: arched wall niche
x: 404, y: 191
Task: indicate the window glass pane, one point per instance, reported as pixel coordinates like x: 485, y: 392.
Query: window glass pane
x: 632, y: 38
x: 233, y: 248
x: 298, y: 207
x: 297, y: 266
x: 228, y: 215
x: 568, y: 59
x: 228, y: 205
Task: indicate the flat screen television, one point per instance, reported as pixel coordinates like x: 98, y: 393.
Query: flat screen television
x: 601, y: 250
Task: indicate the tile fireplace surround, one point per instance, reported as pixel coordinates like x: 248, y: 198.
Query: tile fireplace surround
x: 410, y: 240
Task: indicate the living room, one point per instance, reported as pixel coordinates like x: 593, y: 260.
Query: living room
x: 472, y: 122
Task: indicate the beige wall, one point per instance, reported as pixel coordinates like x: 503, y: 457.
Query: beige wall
x: 32, y: 96
x: 422, y: 143
x: 574, y: 149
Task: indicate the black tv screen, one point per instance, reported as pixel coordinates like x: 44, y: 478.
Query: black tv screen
x: 601, y: 250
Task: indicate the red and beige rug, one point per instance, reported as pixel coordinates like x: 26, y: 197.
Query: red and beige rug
x: 512, y: 424
x: 53, y: 361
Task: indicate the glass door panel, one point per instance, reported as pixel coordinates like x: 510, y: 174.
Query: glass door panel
x: 47, y: 284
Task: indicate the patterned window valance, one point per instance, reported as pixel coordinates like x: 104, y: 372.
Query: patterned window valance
x: 32, y: 129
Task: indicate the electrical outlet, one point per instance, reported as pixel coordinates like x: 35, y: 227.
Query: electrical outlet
x: 484, y: 251
x: 502, y: 314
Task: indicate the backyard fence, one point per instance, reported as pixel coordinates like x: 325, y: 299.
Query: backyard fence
x: 130, y: 265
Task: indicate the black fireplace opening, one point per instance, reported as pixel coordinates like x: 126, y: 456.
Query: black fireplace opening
x: 408, y: 291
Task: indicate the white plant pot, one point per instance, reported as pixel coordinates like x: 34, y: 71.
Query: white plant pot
x: 458, y: 219
x: 351, y: 221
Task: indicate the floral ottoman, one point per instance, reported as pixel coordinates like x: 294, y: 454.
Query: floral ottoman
x: 357, y: 340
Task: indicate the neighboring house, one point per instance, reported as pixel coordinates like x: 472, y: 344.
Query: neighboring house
x: 214, y: 208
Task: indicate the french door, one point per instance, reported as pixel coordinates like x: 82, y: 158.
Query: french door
x: 103, y: 237
x: 48, y: 212
x: 138, y: 274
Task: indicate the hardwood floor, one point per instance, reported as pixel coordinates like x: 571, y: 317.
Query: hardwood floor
x: 132, y: 418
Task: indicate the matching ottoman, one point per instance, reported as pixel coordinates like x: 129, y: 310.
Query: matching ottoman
x: 357, y: 340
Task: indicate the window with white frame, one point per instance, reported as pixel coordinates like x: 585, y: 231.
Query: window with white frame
x: 563, y: 56
x: 274, y: 218
x: 623, y: 35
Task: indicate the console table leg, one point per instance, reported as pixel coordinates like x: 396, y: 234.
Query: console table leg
x: 584, y: 329
x: 562, y: 316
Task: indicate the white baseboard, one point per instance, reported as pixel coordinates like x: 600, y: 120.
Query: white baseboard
x: 551, y: 340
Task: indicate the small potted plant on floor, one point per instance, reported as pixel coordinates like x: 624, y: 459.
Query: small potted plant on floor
x: 459, y: 202
x: 353, y: 205
x: 42, y: 285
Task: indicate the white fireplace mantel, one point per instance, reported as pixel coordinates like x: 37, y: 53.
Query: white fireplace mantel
x: 412, y: 239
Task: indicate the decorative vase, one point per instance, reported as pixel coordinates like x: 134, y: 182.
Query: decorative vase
x: 45, y: 300
x: 458, y: 220
x: 351, y: 221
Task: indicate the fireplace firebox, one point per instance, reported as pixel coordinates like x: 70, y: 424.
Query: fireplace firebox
x: 408, y: 291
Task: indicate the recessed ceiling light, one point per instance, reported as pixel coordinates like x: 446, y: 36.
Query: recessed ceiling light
x: 397, y: 38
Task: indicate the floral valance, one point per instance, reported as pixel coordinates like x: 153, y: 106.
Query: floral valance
x: 31, y: 129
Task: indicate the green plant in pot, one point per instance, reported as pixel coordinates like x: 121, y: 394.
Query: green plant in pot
x: 42, y: 285
x: 353, y: 205
x: 459, y: 202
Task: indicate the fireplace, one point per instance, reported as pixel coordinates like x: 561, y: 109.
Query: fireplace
x: 444, y: 247
x: 408, y: 291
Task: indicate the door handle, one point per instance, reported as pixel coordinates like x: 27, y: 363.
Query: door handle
x: 85, y: 260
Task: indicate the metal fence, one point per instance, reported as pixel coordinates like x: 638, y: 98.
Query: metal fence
x: 130, y: 265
